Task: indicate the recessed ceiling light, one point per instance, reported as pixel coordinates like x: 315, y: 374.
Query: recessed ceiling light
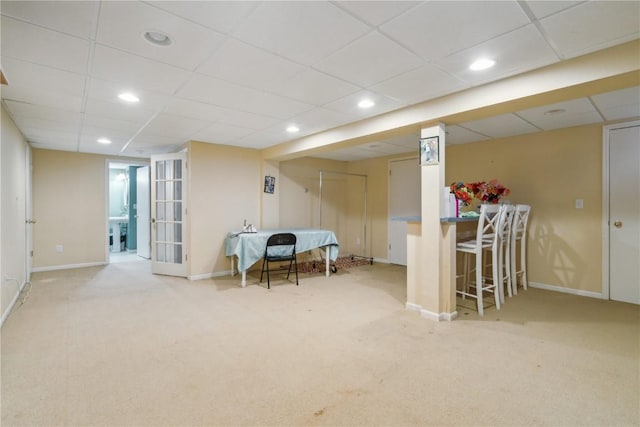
x: 128, y: 97
x: 157, y: 38
x: 104, y: 141
x: 482, y: 64
x: 366, y: 103
x: 555, y: 111
x: 293, y: 129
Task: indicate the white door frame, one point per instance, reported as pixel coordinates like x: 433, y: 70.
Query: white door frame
x: 107, y: 162
x: 605, y: 202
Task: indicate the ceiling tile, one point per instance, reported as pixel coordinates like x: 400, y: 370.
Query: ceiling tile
x: 500, y: 126
x: 217, y: 92
x: 619, y: 104
x: 302, y: 31
x: 70, y: 17
x: 174, y: 126
x: 369, y: 60
x: 377, y: 12
x: 543, y: 8
x: 40, y: 112
x: 51, y: 137
x: 274, y: 106
x: 21, y: 73
x: 139, y: 74
x: 459, y: 135
x: 421, y: 84
x: 515, y: 52
x: 47, y: 125
x: 221, y: 16
x: 408, y: 141
x: 314, y: 87
x: 593, y: 25
x: 111, y: 126
x: 349, y: 104
x: 320, y: 119
x: 264, y: 138
x: 108, y: 91
x: 42, y: 46
x: 240, y: 63
x: 220, y: 133
x: 451, y: 26
x: 118, y: 111
x: 41, y: 97
x: 570, y: 113
x: 123, y: 24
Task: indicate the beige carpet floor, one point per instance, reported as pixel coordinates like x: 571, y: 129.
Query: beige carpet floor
x: 118, y: 346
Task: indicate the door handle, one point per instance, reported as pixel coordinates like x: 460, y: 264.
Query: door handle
x: 30, y: 221
x: 153, y: 220
x: 618, y: 224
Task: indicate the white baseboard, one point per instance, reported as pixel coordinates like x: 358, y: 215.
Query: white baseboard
x: 6, y: 313
x: 565, y: 290
x: 67, y: 267
x: 438, y: 317
x: 381, y: 260
x: 209, y: 275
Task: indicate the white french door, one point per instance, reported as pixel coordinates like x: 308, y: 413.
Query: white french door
x: 168, y: 214
x: 623, y: 227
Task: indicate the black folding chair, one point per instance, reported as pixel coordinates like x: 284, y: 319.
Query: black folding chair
x: 280, y: 247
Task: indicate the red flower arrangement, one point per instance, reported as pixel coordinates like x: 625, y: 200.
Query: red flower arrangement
x: 463, y: 192
x: 492, y: 191
x: 487, y: 192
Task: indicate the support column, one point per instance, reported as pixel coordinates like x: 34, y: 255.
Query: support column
x: 431, y: 244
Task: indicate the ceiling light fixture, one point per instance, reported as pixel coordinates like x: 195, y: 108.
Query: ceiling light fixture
x: 482, y: 64
x: 366, y: 103
x: 128, y: 97
x: 157, y: 38
x: 104, y: 140
x: 293, y: 129
x: 555, y: 112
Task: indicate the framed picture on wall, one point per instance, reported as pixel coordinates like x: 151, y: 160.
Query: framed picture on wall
x: 429, y: 152
x: 269, y: 184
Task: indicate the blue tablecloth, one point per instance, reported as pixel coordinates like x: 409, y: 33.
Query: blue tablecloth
x: 249, y: 247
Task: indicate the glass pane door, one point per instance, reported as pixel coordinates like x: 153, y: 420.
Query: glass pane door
x: 168, y: 214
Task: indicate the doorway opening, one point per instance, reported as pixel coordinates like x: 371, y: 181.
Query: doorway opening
x: 127, y: 212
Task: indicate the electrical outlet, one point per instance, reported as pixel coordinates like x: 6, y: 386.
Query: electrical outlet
x: 59, y: 248
x: 579, y: 203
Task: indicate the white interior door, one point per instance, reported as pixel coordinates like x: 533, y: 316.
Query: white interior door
x: 624, y: 214
x: 28, y: 210
x: 143, y: 212
x: 168, y: 214
x: 404, y: 200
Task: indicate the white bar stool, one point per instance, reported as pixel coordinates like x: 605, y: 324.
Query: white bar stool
x: 487, y: 237
x: 519, y: 235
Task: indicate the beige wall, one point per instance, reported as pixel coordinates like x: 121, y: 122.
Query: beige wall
x: 548, y: 170
x: 69, y: 204
x: 13, y: 155
x: 225, y: 187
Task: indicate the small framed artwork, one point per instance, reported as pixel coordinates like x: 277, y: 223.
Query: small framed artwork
x: 269, y: 184
x: 429, y: 151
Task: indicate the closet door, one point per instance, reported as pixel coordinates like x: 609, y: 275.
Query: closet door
x: 624, y: 214
x: 168, y: 214
x: 404, y: 200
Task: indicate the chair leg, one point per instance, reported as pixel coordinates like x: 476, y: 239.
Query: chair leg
x: 498, y: 274
x: 295, y: 260
x: 479, y: 282
x: 289, y: 271
x: 268, y: 277
x: 514, y: 270
x: 262, y: 270
x: 523, y: 261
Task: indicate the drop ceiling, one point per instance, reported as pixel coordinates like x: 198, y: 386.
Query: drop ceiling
x: 239, y: 73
